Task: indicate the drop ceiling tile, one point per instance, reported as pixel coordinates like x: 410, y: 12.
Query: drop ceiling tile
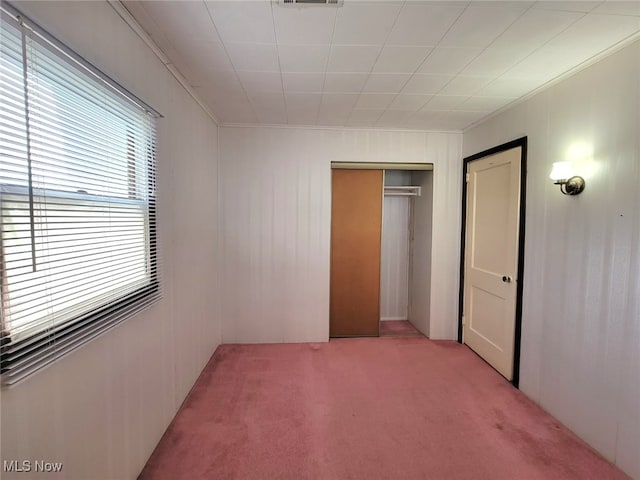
x: 386, y: 82
x: 236, y: 115
x: 374, y: 100
x: 365, y: 23
x: 272, y: 117
x: 176, y: 18
x: 397, y: 59
x: 303, y: 108
x: 364, y: 118
x: 595, y: 32
x: 307, y: 118
x: 444, y: 102
x: 138, y: 10
x: 545, y: 64
x: 409, y: 103
x: 424, y: 121
x: 302, y: 82
x: 198, y: 73
x: 303, y: 58
x: 224, y: 83
x: 339, y: 101
x: 448, y: 60
x: 230, y: 108
x: 213, y: 99
x: 535, y: 28
x: 509, y: 87
x: 339, y: 112
x: 459, y: 120
x: 253, y: 56
x: 331, y: 118
x: 260, y: 81
x: 187, y: 44
x: 393, y: 118
x: 333, y: 115
x: 243, y: 21
x: 495, y: 61
x: 194, y: 50
x: 352, y: 58
x: 464, y: 85
x: 304, y: 25
x: 426, y: 84
x: 479, y: 26
x: 570, y: 6
x: 303, y: 100
x: 344, y: 82
x: 423, y: 23
x: 225, y: 104
x: 484, y: 104
x: 615, y: 7
x: 267, y: 101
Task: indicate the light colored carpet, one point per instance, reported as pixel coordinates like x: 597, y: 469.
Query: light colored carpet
x: 398, y: 328
x: 364, y: 408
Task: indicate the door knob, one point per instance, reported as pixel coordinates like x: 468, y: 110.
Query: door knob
x: 506, y: 279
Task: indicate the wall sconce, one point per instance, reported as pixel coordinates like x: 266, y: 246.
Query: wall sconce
x: 562, y: 174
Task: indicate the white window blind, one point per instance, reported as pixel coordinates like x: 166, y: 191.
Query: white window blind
x: 77, y: 200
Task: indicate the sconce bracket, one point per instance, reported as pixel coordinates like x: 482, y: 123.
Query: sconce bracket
x: 573, y: 186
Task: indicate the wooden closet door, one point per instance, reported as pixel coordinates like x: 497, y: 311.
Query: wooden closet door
x: 356, y: 227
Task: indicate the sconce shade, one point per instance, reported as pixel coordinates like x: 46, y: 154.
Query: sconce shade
x: 561, y: 171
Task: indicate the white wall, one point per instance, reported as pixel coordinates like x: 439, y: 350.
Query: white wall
x: 102, y: 409
x: 581, y: 319
x: 275, y: 195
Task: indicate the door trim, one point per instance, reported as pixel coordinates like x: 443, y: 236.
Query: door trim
x: 520, y: 142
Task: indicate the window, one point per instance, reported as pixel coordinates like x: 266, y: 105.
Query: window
x: 77, y: 200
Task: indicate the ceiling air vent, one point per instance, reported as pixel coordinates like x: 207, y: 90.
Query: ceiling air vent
x: 309, y: 2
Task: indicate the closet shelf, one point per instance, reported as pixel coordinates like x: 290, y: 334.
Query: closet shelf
x: 402, y: 191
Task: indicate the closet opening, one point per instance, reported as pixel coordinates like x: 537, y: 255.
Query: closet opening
x: 405, y: 270
x: 381, y: 224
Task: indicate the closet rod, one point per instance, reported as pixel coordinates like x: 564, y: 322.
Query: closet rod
x: 402, y: 190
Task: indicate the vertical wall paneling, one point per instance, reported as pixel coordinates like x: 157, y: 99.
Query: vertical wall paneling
x: 447, y: 194
x: 580, y: 356
x: 102, y: 409
x: 394, y: 289
x: 275, y: 193
x: 422, y: 235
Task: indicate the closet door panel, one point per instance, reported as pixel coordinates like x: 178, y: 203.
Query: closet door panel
x: 356, y: 227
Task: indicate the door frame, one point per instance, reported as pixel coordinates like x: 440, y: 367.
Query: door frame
x: 520, y: 142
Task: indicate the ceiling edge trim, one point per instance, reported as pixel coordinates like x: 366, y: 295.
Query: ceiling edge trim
x: 130, y: 20
x: 551, y: 83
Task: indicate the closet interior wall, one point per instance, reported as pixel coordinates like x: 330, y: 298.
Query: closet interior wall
x: 395, y: 256
x: 406, y: 250
x: 420, y: 251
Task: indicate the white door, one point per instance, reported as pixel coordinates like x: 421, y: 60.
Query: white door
x: 491, y: 257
